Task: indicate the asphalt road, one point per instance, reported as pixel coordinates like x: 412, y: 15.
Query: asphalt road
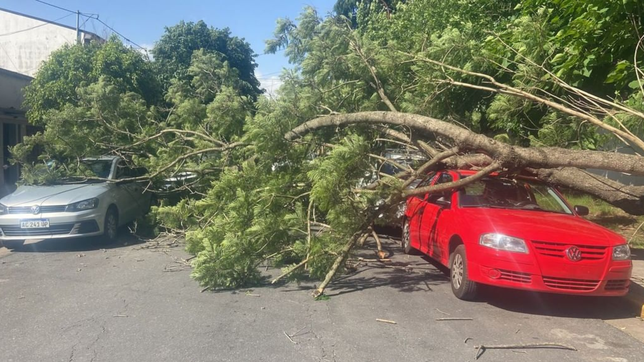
x: 82, y: 301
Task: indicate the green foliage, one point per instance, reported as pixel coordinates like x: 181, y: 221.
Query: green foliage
x: 71, y: 67
x: 91, y: 126
x: 255, y: 201
x: 173, y: 53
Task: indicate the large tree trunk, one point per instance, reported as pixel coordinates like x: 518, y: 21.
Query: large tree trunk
x: 559, y: 166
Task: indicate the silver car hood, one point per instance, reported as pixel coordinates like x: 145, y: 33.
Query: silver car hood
x: 54, y: 195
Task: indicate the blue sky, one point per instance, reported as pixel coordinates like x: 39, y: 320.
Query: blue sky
x: 143, y: 21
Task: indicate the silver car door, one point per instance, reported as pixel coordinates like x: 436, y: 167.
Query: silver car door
x: 127, y: 200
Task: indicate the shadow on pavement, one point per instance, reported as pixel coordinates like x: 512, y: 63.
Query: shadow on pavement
x: 560, y: 305
x: 405, y: 278
x: 77, y: 244
x: 421, y: 273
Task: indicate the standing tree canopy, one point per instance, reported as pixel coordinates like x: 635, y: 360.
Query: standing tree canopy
x: 173, y: 53
x: 72, y: 67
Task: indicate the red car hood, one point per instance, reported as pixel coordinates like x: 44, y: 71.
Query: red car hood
x: 540, y: 226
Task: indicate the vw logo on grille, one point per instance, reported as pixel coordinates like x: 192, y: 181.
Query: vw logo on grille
x: 35, y: 209
x: 573, y: 253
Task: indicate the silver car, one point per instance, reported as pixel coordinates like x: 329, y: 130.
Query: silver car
x: 93, y: 208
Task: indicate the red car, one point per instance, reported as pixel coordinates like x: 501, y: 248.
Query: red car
x: 514, y: 233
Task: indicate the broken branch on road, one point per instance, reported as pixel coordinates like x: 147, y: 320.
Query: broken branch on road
x: 481, y: 349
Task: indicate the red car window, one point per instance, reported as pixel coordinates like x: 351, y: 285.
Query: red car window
x: 511, y: 194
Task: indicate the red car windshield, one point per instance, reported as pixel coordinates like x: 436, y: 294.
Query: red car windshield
x: 511, y: 194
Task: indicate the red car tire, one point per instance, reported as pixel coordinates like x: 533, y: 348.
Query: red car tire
x: 405, y: 240
x: 462, y: 287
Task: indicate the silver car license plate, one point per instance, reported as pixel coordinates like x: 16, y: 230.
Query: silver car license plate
x: 34, y: 224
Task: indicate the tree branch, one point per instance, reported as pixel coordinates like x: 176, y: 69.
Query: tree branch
x: 513, y: 157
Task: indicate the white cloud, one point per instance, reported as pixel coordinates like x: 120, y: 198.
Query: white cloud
x: 269, y: 82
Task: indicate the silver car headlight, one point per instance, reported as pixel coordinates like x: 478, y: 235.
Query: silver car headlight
x: 621, y: 252
x: 83, y: 205
x: 3, y: 209
x: 503, y: 242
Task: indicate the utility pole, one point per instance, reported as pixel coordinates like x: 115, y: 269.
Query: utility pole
x: 78, y: 39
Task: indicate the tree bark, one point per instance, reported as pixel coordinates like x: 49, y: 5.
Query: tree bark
x: 627, y: 198
x: 510, y: 156
x: 344, y: 253
x: 558, y: 166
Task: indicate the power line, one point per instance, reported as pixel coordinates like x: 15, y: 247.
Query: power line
x: 56, y: 6
x: 8, y: 57
x: 96, y: 17
x: 85, y: 22
x: 37, y: 26
x: 90, y: 15
x: 122, y: 36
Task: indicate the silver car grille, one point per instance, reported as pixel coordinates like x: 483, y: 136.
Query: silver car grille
x: 43, y: 209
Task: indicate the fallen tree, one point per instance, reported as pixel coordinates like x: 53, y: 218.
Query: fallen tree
x: 558, y: 166
x: 296, y: 181
x: 562, y: 167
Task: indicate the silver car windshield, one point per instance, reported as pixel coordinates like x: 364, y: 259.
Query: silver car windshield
x: 100, y: 168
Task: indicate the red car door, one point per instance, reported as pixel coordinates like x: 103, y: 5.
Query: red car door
x: 415, y: 210
x: 431, y: 221
x: 428, y: 222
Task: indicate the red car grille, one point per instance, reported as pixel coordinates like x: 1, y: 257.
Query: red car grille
x: 570, y: 284
x: 558, y: 250
x: 616, y: 284
x: 516, y: 277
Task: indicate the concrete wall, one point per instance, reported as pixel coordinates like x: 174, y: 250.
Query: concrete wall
x: 26, y: 42
x: 11, y: 86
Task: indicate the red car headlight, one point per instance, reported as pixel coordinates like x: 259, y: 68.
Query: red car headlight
x: 621, y: 252
x: 503, y: 242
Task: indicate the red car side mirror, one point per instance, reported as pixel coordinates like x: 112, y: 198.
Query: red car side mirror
x: 581, y: 210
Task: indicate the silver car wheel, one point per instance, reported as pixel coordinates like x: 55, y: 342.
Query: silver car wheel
x: 457, y: 271
x: 111, y: 225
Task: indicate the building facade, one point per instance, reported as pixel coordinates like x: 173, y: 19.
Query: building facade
x: 25, y: 43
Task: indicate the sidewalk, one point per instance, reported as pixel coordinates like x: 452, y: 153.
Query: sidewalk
x: 634, y: 326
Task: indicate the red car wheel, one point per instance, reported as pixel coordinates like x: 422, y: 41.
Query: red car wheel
x: 462, y: 287
x: 406, y: 241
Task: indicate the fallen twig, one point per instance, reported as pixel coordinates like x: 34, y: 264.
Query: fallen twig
x: 635, y: 233
x: 454, y: 319
x: 361, y: 259
x: 342, y: 257
x: 440, y: 311
x: 301, y: 264
x: 289, y: 337
x: 379, y: 252
x: 120, y: 315
x: 467, y: 339
x: 428, y: 287
x: 385, y: 321
x: 481, y: 349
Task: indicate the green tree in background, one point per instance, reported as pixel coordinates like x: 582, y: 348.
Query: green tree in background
x: 56, y: 82
x: 173, y: 53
